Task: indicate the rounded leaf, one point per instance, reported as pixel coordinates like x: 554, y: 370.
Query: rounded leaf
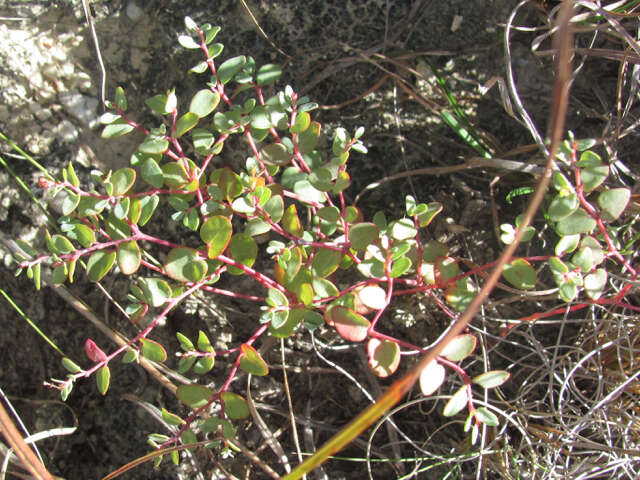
x: 61, y: 244
x: 613, y: 202
x: 595, y: 282
x: 362, y: 235
x: 155, y: 291
x: 325, y: 262
x: 492, y: 379
x: 520, y: 274
x: 268, y: 74
x: 243, y: 248
x: 152, y: 350
x: 235, y: 407
x: 128, y: 257
x: 251, y: 361
x: 228, y: 68
x: 460, y: 294
x: 174, y: 175
x: 431, y: 377
x: 185, y: 123
x: 122, y: 181
x: 562, y: 206
x: 204, y: 102
x: 216, y: 232
x: 116, y: 129
x: 578, y: 222
x: 99, y: 264
x: 185, y: 265
x: 348, y: 324
x: 459, y: 348
x: 384, y: 356
x: 308, y: 139
x: 194, y: 395
x: 103, y: 377
x: 372, y: 296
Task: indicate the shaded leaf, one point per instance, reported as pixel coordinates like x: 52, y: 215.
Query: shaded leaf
x: 520, y: 274
x: 185, y: 265
x: 484, y: 415
x: 194, y: 395
x: 155, y: 291
x: 93, y: 351
x: 185, y: 123
x: 362, y: 235
x: 613, y: 202
x: 122, y: 181
x: 99, y: 264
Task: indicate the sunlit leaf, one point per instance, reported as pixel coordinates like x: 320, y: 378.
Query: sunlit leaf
x: 99, y: 264
x: 520, y: 274
x: 152, y: 350
x: 456, y: 403
x: 431, y: 377
x: 194, y: 395
x: 251, y: 361
x: 383, y: 356
x: 348, y: 324
x: 128, y: 257
x: 103, y: 377
x: 235, y: 407
x: 459, y: 348
x: 185, y: 265
x: 491, y: 379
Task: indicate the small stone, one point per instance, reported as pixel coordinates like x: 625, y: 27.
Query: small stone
x: 66, y: 131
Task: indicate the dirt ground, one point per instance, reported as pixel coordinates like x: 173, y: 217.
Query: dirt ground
x: 328, y: 51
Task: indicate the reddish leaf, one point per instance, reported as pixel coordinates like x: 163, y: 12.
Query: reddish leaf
x: 348, y: 324
x: 384, y: 356
x: 94, y: 352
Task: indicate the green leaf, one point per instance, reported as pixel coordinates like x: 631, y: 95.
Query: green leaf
x: 578, y: 222
x: 148, y: 206
x: 194, y: 395
x: 158, y: 104
x: 431, y: 377
x: 228, y: 69
x: 460, y: 294
x: 99, y: 264
x: 122, y: 181
x: 593, y: 172
x: 491, y: 379
x: 595, y: 282
x: 325, y: 262
x: 128, y: 257
x: 459, y: 348
x: 425, y: 217
x: 216, y: 232
x: 307, y: 192
x: 61, y: 244
x: 116, y: 129
x: 70, y: 365
x: 446, y: 268
x: 350, y: 325
x: 103, y: 376
x: 185, y: 265
x: 187, y: 42
x: 432, y: 250
x: 203, y: 365
x: 303, y: 120
x: 520, y: 274
x: 484, y: 415
x: 174, y: 175
x: 151, y: 172
x: 291, y: 222
x: 613, y: 202
x: 268, y: 74
x: 171, y: 418
x: 235, y: 407
x: 567, y: 244
x: 383, y: 356
x: 185, y: 123
x: 204, y: 102
x: 117, y: 229
x: 121, y: 100
x: 244, y: 249
x: 562, y: 206
x: 155, y: 291
x: 456, y: 403
x: 185, y: 343
x: 308, y: 139
x: 275, y: 154
x: 152, y: 350
x: 362, y: 235
x: 400, y: 267
x: 403, y: 229
x: 251, y: 361
x: 69, y: 203
x: 154, y: 144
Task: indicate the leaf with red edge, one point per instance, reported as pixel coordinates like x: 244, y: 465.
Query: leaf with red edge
x: 251, y: 361
x: 384, y: 356
x: 457, y: 402
x: 235, y: 407
x: 93, y: 351
x: 349, y: 324
x: 431, y: 377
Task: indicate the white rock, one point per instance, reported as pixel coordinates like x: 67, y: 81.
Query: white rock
x: 133, y: 11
